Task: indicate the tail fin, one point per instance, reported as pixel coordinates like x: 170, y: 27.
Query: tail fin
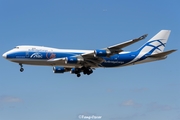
x: 156, y: 44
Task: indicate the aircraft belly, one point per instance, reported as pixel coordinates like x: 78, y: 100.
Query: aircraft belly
x: 43, y: 62
x: 32, y: 62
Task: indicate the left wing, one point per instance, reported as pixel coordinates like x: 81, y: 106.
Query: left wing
x: 115, y: 49
x: 94, y: 58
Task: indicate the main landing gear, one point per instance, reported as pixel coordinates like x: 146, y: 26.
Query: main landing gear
x: 85, y: 70
x: 21, y: 69
x: 78, y: 75
x: 77, y: 71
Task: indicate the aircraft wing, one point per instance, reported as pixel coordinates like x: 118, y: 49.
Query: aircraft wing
x: 94, y: 58
x: 115, y: 49
x: 127, y: 43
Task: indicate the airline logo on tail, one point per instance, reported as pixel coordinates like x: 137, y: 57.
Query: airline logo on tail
x: 153, y: 47
x: 157, y: 43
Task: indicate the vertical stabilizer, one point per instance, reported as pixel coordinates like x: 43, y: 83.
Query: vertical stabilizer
x: 156, y: 44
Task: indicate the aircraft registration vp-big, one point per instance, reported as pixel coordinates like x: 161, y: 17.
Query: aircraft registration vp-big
x: 85, y: 61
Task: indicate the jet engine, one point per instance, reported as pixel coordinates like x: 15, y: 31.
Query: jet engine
x: 73, y: 60
x: 102, y: 53
x: 75, y: 70
x: 59, y: 69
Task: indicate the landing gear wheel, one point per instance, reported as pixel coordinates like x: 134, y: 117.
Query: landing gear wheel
x: 78, y: 75
x: 21, y: 69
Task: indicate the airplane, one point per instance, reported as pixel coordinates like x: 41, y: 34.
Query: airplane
x: 85, y: 61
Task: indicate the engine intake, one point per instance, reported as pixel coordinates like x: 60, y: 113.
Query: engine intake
x: 59, y: 69
x: 102, y: 53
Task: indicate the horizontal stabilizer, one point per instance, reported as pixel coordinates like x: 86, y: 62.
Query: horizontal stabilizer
x: 162, y: 54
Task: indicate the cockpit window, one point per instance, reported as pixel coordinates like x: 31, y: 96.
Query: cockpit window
x: 16, y: 47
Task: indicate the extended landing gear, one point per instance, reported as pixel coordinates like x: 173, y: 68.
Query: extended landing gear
x: 85, y: 70
x: 78, y: 75
x: 21, y: 69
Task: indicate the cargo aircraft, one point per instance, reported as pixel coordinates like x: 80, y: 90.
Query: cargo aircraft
x: 85, y: 61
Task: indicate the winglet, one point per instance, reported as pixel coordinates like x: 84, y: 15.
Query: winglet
x: 143, y: 36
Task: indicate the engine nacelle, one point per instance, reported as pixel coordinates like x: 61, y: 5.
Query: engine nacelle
x: 75, y: 70
x: 102, y: 53
x: 59, y: 69
x: 73, y: 60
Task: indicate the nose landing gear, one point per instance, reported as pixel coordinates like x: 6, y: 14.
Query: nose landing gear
x: 21, y: 69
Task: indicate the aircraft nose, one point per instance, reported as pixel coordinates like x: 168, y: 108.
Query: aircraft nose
x: 4, y: 55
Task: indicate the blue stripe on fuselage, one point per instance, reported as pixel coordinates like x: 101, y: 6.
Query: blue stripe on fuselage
x: 119, y: 59
x: 39, y: 55
x: 113, y: 61
x: 154, y: 47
